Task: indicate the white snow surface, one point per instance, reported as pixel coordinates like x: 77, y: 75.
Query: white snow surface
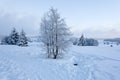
x: 30, y: 63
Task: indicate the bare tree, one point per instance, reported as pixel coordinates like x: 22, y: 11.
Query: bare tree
x: 54, y: 33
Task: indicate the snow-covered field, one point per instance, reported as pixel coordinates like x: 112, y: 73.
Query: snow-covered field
x: 30, y: 63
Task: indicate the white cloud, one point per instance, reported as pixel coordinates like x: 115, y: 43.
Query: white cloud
x: 27, y: 22
x: 103, y: 31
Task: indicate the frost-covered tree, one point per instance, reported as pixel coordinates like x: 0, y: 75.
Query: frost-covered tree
x: 54, y: 33
x: 22, y: 41
x: 13, y: 38
x: 45, y: 33
x: 81, y: 41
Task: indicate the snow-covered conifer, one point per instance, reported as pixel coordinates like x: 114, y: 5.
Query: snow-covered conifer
x: 81, y: 41
x: 13, y: 38
x: 22, y: 41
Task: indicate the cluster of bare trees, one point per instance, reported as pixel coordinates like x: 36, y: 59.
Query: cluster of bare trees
x: 54, y: 33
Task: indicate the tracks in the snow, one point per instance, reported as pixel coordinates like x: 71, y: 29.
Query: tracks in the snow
x: 89, y: 70
x: 10, y: 70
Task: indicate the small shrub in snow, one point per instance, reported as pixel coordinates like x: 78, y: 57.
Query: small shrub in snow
x: 111, y: 45
x: 75, y: 42
x: 117, y: 43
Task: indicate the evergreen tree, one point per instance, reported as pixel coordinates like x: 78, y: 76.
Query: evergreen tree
x: 13, y: 38
x: 81, y: 41
x: 23, y: 41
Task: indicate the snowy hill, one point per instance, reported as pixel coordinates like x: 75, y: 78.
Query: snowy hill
x: 79, y: 63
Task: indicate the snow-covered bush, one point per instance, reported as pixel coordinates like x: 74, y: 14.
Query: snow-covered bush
x: 75, y: 42
x: 91, y: 42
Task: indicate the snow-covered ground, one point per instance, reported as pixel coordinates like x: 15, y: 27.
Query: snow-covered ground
x: 30, y: 63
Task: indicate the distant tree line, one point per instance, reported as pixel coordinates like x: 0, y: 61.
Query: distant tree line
x: 115, y: 40
x: 85, y: 41
x: 15, y: 38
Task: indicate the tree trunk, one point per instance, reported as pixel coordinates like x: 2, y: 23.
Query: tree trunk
x: 56, y: 53
x: 55, y: 57
x: 48, y: 51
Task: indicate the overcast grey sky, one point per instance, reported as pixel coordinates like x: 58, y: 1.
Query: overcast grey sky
x: 94, y: 18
